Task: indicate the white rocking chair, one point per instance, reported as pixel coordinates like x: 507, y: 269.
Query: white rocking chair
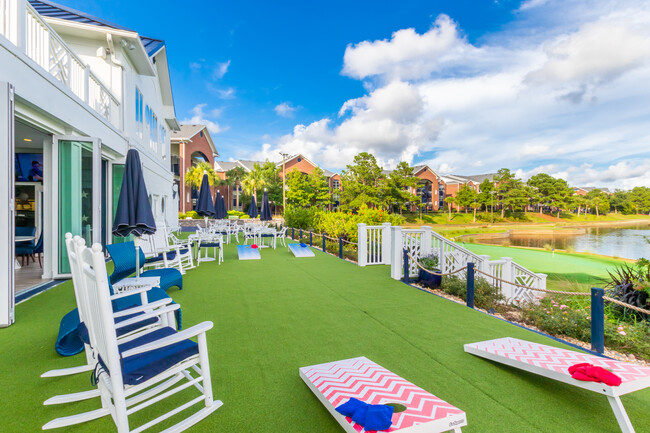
x: 143, y: 371
x: 130, y: 323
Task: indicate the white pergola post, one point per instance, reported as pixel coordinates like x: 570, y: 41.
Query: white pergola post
x: 362, y: 240
x: 7, y: 210
x: 396, y: 253
x: 386, y: 244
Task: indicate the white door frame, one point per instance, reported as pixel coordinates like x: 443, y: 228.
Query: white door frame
x: 7, y: 213
x: 97, y: 192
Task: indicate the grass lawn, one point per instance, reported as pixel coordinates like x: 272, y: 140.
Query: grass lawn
x: 278, y: 314
x: 564, y: 270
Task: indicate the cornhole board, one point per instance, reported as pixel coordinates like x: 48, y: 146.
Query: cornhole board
x: 335, y: 383
x: 554, y: 363
x: 245, y: 252
x: 299, y: 251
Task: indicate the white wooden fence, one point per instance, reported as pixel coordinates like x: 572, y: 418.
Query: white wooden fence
x: 377, y: 247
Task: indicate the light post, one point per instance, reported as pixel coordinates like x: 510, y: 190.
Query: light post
x: 284, y: 178
x: 491, y: 207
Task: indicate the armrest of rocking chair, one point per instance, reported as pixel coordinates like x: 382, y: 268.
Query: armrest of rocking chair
x: 141, y: 308
x: 130, y: 292
x: 156, y: 313
x: 195, y: 330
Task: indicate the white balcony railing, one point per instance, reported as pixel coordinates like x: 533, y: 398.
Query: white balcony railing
x: 43, y: 45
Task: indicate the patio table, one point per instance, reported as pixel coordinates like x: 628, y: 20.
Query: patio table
x: 22, y: 239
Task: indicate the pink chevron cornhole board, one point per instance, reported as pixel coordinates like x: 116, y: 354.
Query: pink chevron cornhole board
x: 554, y: 363
x: 335, y: 382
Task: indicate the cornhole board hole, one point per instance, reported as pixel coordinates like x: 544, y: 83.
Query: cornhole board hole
x: 554, y: 363
x: 300, y: 251
x: 245, y: 252
x: 335, y: 383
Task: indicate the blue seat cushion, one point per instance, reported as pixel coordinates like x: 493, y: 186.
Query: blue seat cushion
x: 155, y: 259
x: 142, y: 367
x: 210, y: 244
x: 268, y: 235
x: 169, y: 277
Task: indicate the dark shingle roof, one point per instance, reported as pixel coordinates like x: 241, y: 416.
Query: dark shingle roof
x: 54, y: 10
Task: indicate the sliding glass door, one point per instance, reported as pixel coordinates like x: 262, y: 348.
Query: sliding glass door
x: 79, y: 193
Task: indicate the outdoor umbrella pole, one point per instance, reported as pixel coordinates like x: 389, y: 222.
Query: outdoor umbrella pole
x: 137, y: 241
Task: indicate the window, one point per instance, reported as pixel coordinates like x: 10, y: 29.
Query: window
x: 201, y: 133
x: 138, y: 112
x: 336, y: 184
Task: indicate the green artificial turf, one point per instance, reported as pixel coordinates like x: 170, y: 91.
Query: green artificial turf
x: 280, y: 313
x: 563, y: 267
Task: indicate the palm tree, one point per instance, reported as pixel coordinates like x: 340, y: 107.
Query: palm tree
x: 254, y: 180
x: 194, y: 175
x: 234, y: 178
x: 450, y: 201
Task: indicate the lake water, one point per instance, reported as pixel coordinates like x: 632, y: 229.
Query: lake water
x: 628, y: 242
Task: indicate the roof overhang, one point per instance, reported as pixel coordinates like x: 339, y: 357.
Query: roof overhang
x: 136, y: 52
x: 173, y: 125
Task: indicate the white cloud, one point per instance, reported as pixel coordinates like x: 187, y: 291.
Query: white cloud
x: 568, y: 98
x: 220, y: 70
x: 285, y: 109
x: 407, y: 55
x: 200, y: 117
x: 227, y: 93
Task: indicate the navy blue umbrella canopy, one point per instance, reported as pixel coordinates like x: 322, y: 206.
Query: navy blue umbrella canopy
x: 266, y: 215
x: 252, y: 209
x: 133, y: 214
x: 224, y: 211
x: 204, y: 206
x: 219, y: 208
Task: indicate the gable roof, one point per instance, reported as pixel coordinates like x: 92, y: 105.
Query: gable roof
x: 225, y: 165
x: 478, y: 178
x: 50, y: 9
x: 187, y: 132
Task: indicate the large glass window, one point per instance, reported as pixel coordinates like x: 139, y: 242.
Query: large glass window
x: 138, y: 111
x: 75, y: 195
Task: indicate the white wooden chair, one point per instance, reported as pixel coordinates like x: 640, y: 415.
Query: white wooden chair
x: 282, y: 235
x: 133, y: 375
x: 128, y: 323
x: 207, y: 241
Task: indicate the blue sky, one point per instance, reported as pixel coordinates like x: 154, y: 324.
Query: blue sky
x: 464, y: 86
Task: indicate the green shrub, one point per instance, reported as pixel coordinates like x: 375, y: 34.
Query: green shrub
x: 299, y: 217
x: 189, y: 214
x: 237, y: 213
x: 571, y: 317
x: 486, y: 296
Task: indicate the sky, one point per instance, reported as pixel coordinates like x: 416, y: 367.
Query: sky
x: 466, y: 87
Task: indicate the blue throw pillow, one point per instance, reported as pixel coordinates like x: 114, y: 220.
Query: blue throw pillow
x: 350, y: 407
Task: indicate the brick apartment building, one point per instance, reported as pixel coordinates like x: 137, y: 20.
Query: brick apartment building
x: 189, y: 146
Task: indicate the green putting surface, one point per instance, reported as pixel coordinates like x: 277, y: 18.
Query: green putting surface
x: 280, y: 313
x: 573, y: 267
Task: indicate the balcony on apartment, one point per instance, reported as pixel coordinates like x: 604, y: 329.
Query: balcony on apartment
x: 25, y: 28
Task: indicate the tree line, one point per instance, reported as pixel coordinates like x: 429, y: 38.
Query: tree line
x: 364, y: 182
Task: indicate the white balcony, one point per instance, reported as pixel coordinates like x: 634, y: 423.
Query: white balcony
x: 27, y: 30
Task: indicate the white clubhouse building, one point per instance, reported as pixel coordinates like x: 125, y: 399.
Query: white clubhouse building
x: 76, y: 92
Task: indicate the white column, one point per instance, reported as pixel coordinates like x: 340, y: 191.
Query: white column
x: 19, y: 18
x: 7, y: 210
x: 541, y: 283
x: 362, y: 240
x: 385, y: 244
x: 396, y: 253
x: 484, y: 264
x: 426, y: 246
x: 508, y: 275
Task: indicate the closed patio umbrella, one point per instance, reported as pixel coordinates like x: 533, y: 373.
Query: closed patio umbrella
x: 224, y: 211
x: 219, y: 206
x: 204, y: 206
x: 133, y: 214
x: 252, y: 209
x: 265, y: 214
